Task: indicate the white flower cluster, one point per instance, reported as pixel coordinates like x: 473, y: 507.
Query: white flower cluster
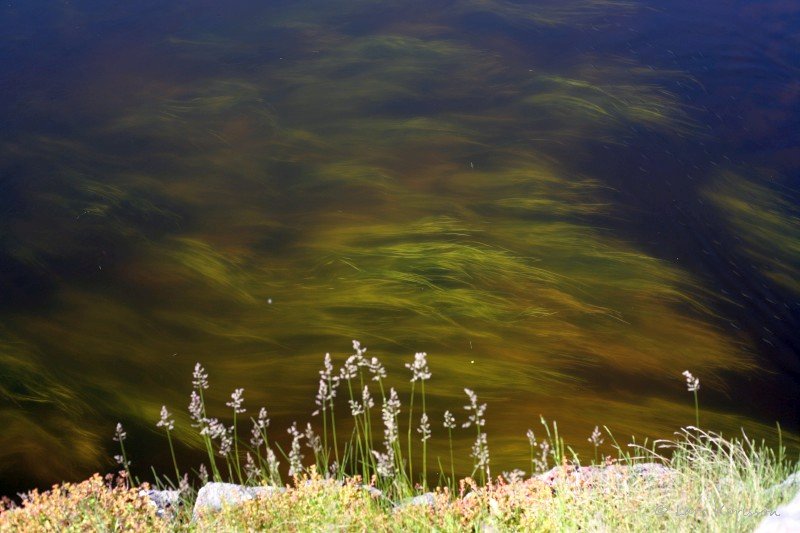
x: 692, y: 383
x: 476, y: 417
x: 419, y: 368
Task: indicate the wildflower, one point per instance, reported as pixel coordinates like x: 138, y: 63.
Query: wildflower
x: 514, y: 476
x: 352, y: 364
x: 542, y: 461
x: 250, y: 467
x: 295, y: 456
x: 596, y: 437
x: 256, y: 437
x: 449, y: 420
x: 312, y: 440
x: 327, y: 385
x: 424, y: 427
x: 385, y: 462
x: 260, y: 426
x: 122, y: 462
x: 538, y: 464
x: 237, y: 400
x: 350, y: 368
x: 692, y: 383
x: 199, y: 377
x: 477, y: 410
x: 212, y: 428
x: 203, y: 473
x: 225, y: 443
x: 419, y: 368
x: 359, y: 350
x: 327, y: 367
x: 389, y: 412
x: 272, y: 464
x: 376, y: 369
x: 393, y: 403
x: 119, y: 433
x: 322, y: 397
x: 216, y: 430
x: 263, y: 419
x: 166, y: 419
x: 356, y: 408
x: 196, y: 410
x: 480, y: 452
x: 366, y: 398
x: 183, y: 485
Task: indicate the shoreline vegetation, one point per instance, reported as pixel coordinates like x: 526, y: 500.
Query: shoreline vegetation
x: 378, y: 477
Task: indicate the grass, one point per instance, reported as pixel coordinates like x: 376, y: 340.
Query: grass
x: 710, y: 483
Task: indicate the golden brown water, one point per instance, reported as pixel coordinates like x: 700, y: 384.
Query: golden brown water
x: 525, y: 191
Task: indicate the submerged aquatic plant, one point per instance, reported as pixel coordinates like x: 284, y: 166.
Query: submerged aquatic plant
x: 761, y: 209
x: 487, y: 233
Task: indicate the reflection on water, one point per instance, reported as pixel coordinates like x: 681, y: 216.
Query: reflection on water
x: 253, y: 188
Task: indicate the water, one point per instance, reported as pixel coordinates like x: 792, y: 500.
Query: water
x: 566, y: 204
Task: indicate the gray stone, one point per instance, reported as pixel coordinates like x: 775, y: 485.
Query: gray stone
x: 372, y: 491
x: 603, y: 475
x: 790, y: 482
x: 165, y: 502
x: 785, y: 520
x: 428, y: 499
x: 651, y: 469
x: 214, y: 496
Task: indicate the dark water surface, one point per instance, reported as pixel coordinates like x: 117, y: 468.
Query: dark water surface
x: 564, y: 203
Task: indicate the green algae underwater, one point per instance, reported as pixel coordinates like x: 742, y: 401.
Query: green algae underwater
x: 257, y: 188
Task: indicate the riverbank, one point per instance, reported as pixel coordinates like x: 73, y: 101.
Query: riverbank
x: 697, y: 481
x: 708, y: 484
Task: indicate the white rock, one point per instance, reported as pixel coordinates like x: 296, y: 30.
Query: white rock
x: 165, y: 502
x: 785, y: 520
x: 790, y: 482
x: 372, y: 491
x: 428, y: 499
x: 601, y: 475
x: 214, y: 496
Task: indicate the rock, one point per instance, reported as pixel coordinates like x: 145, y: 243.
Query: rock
x: 165, y: 502
x: 372, y: 491
x: 786, y: 519
x: 214, y: 496
x: 651, y: 469
x: 428, y: 499
x: 603, y: 475
x: 790, y: 482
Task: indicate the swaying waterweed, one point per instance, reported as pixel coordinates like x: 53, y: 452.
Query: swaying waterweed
x: 227, y: 208
x: 759, y: 206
